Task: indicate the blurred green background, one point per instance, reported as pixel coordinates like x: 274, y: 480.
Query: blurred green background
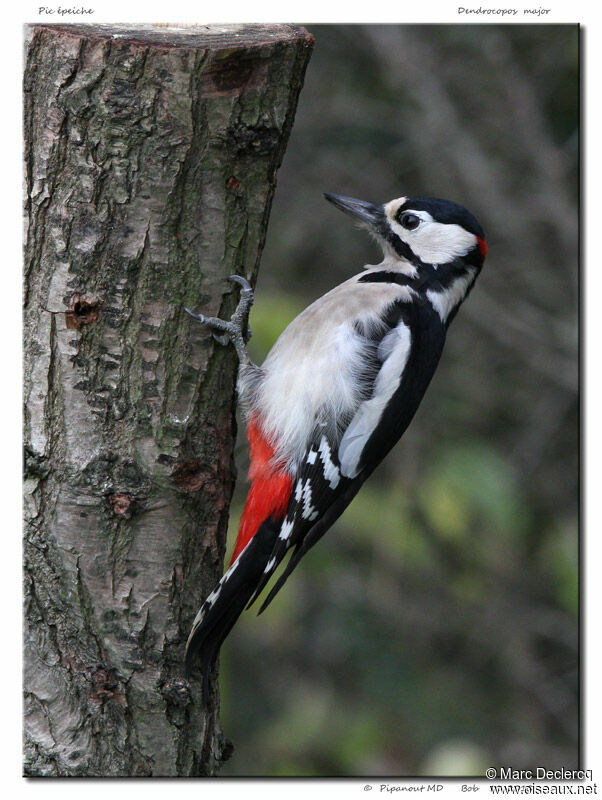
x: 434, y: 630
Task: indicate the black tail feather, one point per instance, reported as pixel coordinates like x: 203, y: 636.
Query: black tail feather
x: 230, y: 599
x: 298, y: 553
x: 278, y: 553
x: 239, y: 585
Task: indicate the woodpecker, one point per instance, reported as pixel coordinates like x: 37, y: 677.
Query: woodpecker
x: 336, y: 392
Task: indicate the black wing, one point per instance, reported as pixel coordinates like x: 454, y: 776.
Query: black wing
x: 335, y: 468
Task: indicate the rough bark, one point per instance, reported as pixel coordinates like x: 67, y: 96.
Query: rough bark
x: 151, y: 155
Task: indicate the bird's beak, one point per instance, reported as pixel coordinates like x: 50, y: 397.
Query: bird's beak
x: 370, y: 214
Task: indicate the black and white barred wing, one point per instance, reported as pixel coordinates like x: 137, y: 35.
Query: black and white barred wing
x: 312, y: 504
x: 335, y: 466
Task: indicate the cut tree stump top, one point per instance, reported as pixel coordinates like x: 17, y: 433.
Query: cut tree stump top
x: 187, y: 37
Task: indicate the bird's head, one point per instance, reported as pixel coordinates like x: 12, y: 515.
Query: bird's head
x: 421, y: 231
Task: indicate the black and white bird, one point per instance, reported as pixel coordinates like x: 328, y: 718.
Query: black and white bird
x: 336, y: 392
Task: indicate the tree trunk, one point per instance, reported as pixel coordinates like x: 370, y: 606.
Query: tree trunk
x: 151, y: 155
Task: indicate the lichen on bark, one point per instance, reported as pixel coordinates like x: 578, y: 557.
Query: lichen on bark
x: 151, y: 156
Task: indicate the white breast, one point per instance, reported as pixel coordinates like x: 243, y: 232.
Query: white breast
x: 311, y: 373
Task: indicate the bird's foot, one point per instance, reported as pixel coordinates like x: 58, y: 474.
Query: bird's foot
x: 236, y: 330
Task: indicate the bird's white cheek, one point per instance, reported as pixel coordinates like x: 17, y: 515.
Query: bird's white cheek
x: 437, y: 243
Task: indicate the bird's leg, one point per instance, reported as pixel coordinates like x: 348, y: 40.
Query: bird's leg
x: 236, y: 330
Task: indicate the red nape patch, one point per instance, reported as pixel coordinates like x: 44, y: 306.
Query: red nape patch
x: 482, y: 246
x: 269, y: 492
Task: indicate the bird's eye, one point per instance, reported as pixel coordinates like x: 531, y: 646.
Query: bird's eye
x: 409, y: 221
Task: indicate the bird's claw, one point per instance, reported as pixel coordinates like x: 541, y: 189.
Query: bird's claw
x: 236, y: 330
x: 241, y: 282
x: 200, y: 317
x: 244, y: 304
x: 218, y: 326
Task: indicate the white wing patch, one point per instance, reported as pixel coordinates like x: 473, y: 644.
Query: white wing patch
x: 286, y: 529
x: 331, y: 473
x: 395, y: 347
x: 308, y: 511
x: 303, y: 492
